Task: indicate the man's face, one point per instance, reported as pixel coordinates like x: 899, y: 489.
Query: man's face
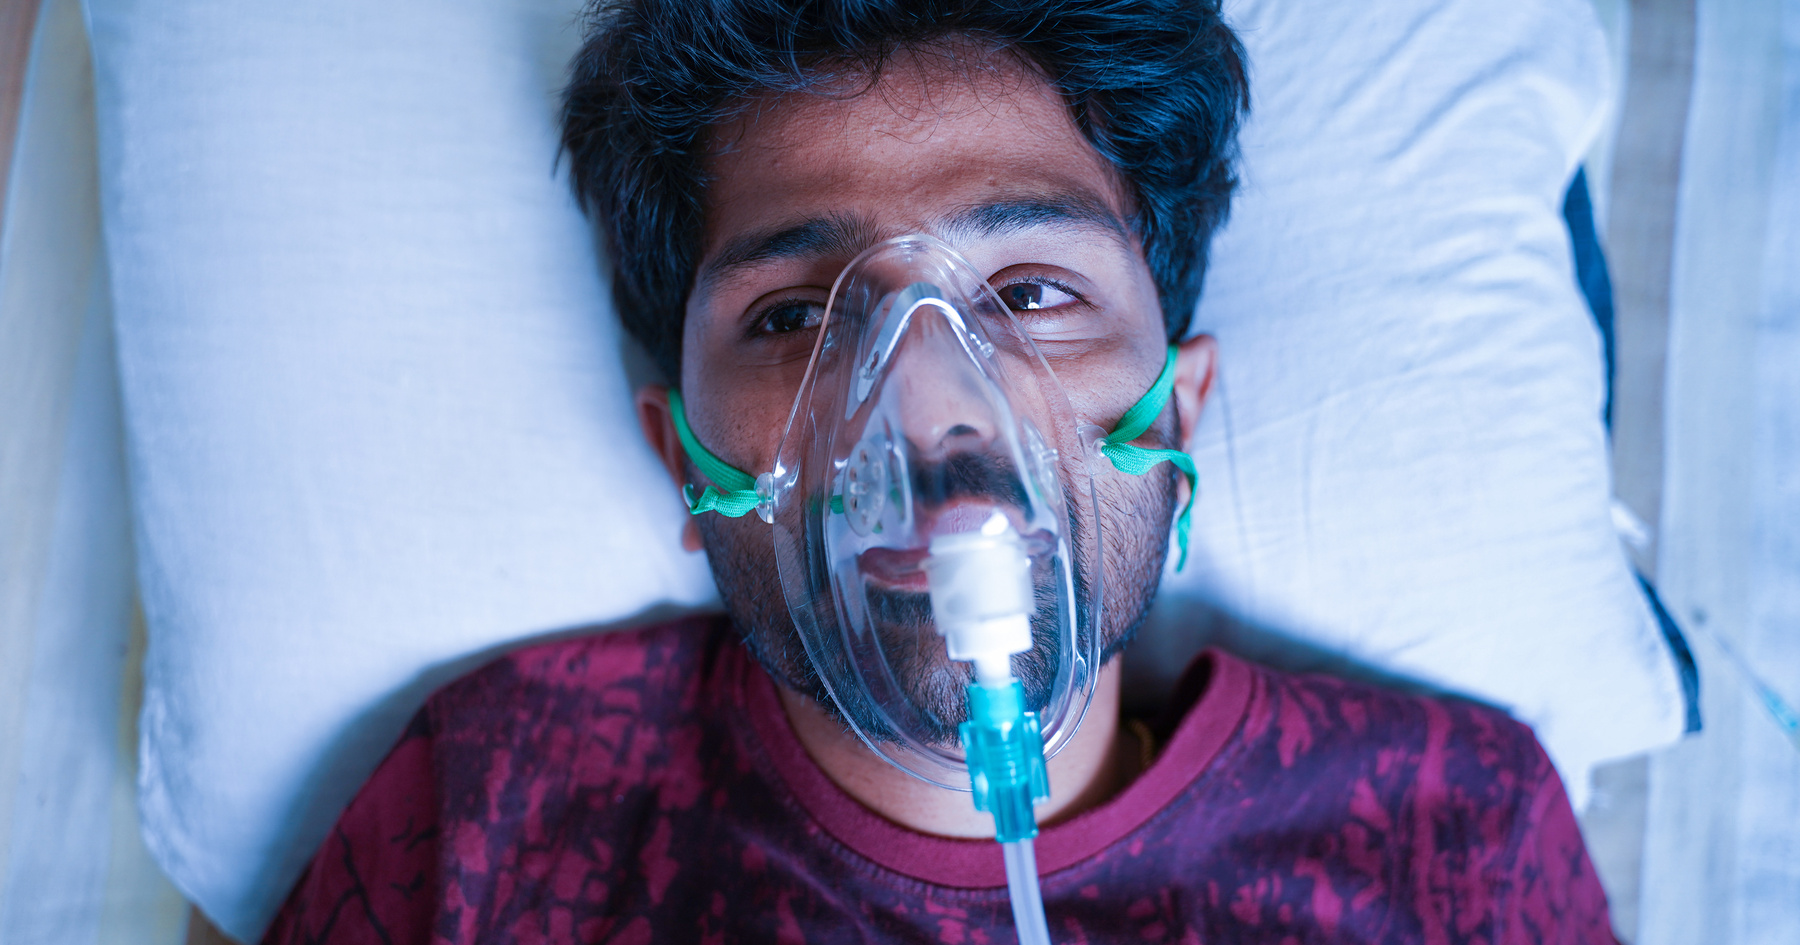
x: 981, y: 152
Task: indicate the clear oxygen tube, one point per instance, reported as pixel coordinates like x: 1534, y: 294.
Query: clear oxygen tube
x: 981, y: 599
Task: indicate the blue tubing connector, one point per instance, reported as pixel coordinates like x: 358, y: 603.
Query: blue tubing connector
x: 1004, y: 748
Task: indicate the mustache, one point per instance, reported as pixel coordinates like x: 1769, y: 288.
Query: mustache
x: 967, y: 476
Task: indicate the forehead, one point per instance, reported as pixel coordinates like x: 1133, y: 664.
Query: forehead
x: 951, y: 140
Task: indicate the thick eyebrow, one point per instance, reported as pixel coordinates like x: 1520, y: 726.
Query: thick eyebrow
x: 1070, y: 208
x: 845, y: 235
x: 842, y: 235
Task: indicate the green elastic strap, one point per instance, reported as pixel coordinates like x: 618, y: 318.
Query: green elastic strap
x: 739, y: 497
x: 1138, y: 460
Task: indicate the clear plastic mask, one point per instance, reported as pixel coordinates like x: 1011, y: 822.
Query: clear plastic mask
x: 927, y: 412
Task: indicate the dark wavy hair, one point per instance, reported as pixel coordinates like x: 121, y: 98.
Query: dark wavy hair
x: 1157, y: 86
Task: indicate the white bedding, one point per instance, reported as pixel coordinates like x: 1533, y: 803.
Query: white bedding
x: 1406, y: 473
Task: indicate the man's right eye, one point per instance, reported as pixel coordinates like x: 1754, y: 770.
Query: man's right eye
x: 784, y: 317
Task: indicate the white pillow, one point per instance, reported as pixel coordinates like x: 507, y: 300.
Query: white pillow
x: 379, y: 423
x: 1404, y: 474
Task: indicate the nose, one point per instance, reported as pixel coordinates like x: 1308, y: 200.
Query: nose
x: 943, y: 403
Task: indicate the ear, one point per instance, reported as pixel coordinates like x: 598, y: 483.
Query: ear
x: 659, y: 431
x: 1196, y: 363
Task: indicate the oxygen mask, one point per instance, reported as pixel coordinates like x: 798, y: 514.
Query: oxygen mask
x: 924, y: 505
x: 921, y: 503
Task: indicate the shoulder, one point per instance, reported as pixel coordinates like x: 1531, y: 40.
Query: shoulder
x: 1447, y: 745
x: 1453, y: 786
x: 1452, y: 806
x: 630, y: 712
x: 646, y: 671
x: 513, y: 746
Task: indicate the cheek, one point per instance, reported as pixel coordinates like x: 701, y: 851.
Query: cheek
x: 759, y: 424
x: 1134, y: 514
x: 740, y: 422
x: 739, y: 410
x: 741, y: 547
x: 1105, y: 383
x: 741, y: 554
x: 1134, y: 506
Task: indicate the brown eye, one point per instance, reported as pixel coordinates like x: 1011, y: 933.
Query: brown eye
x: 1031, y: 296
x: 784, y: 317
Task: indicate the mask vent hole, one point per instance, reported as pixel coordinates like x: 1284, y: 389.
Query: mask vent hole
x: 865, y: 487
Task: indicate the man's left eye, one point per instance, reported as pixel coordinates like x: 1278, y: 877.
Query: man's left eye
x: 1029, y: 296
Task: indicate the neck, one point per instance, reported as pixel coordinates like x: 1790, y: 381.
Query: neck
x: 1096, y: 764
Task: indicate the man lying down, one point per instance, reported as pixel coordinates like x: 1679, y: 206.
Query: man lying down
x: 920, y: 272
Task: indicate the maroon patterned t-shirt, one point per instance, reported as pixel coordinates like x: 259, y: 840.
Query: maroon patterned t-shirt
x: 646, y: 787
